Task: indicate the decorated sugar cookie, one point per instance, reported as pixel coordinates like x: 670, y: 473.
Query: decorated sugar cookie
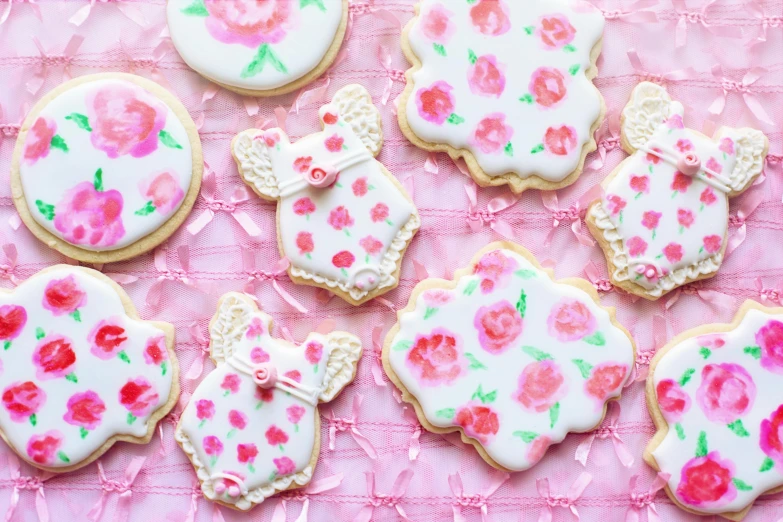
x: 664, y: 216
x: 79, y: 370
x: 106, y: 167
x: 343, y: 220
x: 251, y: 428
x: 714, y: 394
x: 507, y: 85
x: 258, y: 48
x: 509, y: 357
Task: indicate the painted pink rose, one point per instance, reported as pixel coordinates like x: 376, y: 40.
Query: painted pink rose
x: 437, y: 25
x: 248, y: 22
x: 495, y: 270
x: 85, y: 410
x: 294, y: 375
x: 107, y: 338
x: 271, y: 138
x: 650, y: 219
x: 681, y: 182
x: 246, y: 453
x: 560, y: 141
x: 231, y: 383
x: 771, y: 437
x: 302, y: 165
x: 707, y: 481
x: 640, y: 184
x: 685, y: 217
x: 237, y: 419
x: 125, y: 119
x: 43, y: 449
x: 492, y: 134
x: 726, y: 392
x: 359, y: 187
x: 436, y: 358
x: 714, y: 166
x: 380, y: 212
x: 39, y: 140
x: 371, y: 245
x: 636, y: 246
x: 498, y: 325
x: 212, y: 446
x: 340, y: 218
x: 304, y: 242
x: 23, y: 400
x: 478, y: 421
x: 675, y: 122
x: 555, y: 31
x: 605, y: 380
x: 343, y: 259
x: 313, y: 352
x: 284, y: 465
x: 258, y: 355
x: 138, y: 396
x: 294, y: 413
x: 537, y: 449
x: 486, y: 77
x: 163, y: 189
x: 770, y: 340
x: 708, y: 196
x: 304, y: 207
x: 615, y: 204
x: 727, y: 146
x: 712, y: 244
x: 54, y: 357
x: 683, y: 145
x: 263, y: 395
x: 490, y: 17
x: 275, y: 436
x: 256, y: 328
x: 12, y: 321
x: 155, y: 351
x: 334, y: 143
x: 570, y: 320
x: 541, y: 384
x: 547, y: 86
x: 436, y: 103
x: 711, y: 341
x: 673, y: 252
x: 63, y: 296
x: 85, y: 216
x: 654, y: 159
x: 672, y: 400
x: 436, y: 298
x: 205, y: 409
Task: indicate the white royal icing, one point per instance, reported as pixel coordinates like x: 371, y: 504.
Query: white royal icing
x: 253, y: 45
x: 260, y: 440
x: 515, y: 359
x: 105, y: 164
x: 76, y: 370
x: 721, y: 397
x: 506, y: 81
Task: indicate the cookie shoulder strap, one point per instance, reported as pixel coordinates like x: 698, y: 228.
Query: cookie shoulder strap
x: 344, y: 352
x: 650, y: 106
x: 750, y: 148
x: 356, y: 108
x: 230, y: 323
x: 255, y: 163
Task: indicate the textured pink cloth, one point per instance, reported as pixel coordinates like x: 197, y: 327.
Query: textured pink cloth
x: 678, y: 43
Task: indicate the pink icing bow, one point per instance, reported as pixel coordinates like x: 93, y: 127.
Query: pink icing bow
x: 757, y: 8
x: 208, y: 191
x: 641, y: 500
x: 313, y: 488
x: 574, y: 213
x: 600, y: 283
x: 750, y: 202
x: 393, y: 75
x: 745, y: 88
x: 381, y: 499
x: 35, y: 484
x: 476, y: 218
x: 36, y: 82
x: 123, y: 488
x: 255, y: 276
x: 567, y: 501
x: 179, y: 275
x: 478, y: 500
x: 768, y: 295
x: 349, y: 423
x: 608, y: 430
x: 203, y: 346
x: 7, y: 11
x: 130, y: 10
x: 699, y: 17
x: 377, y: 373
x: 635, y: 13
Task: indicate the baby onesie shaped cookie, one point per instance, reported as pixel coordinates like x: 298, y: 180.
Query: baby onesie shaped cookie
x: 343, y: 220
x: 664, y: 216
x: 507, y: 85
x: 251, y: 428
x: 258, y: 48
x: 714, y: 394
x: 106, y: 167
x: 509, y: 357
x: 79, y: 370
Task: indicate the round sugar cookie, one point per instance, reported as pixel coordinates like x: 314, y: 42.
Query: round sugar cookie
x: 258, y: 47
x: 106, y: 167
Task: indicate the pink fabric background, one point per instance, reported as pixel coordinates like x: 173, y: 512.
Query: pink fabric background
x: 165, y: 489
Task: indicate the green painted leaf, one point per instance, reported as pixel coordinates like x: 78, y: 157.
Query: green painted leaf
x: 81, y: 120
x: 680, y: 431
x: 264, y: 55
x: 484, y: 397
x: 538, y: 148
x: 439, y: 49
x: 753, y: 351
x: 446, y: 413
x: 83, y: 432
x: 767, y: 465
x: 522, y: 303
x: 62, y: 456
x: 429, y: 312
x: 58, y: 143
x: 168, y: 140
x: 197, y: 8
x: 701, y: 445
x: 6, y: 345
x: 527, y: 436
x: 402, y: 346
x: 76, y: 315
x: 124, y: 357
x: 471, y: 287
x: 45, y: 209
x: 146, y: 210
x: 472, y: 56
x: 39, y: 333
x: 536, y: 354
x: 509, y: 149
x: 455, y: 119
x: 33, y: 419
x: 318, y: 3
x: 705, y: 352
x: 574, y: 69
x: 97, y: 181
x: 475, y: 364
x: 527, y: 98
x: 741, y: 484
x: 687, y: 376
x: 738, y: 428
x: 131, y: 418
x: 554, y: 413
x: 584, y: 367
x: 72, y: 378
x: 530, y: 29
x: 525, y: 274
x: 569, y: 48
x: 597, y: 339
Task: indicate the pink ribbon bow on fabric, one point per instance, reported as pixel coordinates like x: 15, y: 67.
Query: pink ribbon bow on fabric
x: 158, y: 53
x: 769, y: 295
x: 699, y: 17
x: 359, y: 8
x: 574, y: 213
x: 393, y: 75
x: 660, y: 335
x: 47, y: 59
x: 745, y: 88
x: 607, y: 139
x: 180, y: 275
x: 208, y: 191
x: 414, y: 445
x: 644, y: 74
x: 478, y: 500
x: 255, y: 276
x: 608, y: 430
x: 757, y: 8
x: 123, y: 488
x: 313, y: 488
x: 130, y: 10
x: 7, y: 11
x: 203, y: 345
x: 7, y: 269
x: 567, y: 501
x: 9, y: 130
x: 377, y: 346
x: 712, y: 297
x: 750, y: 202
x: 596, y: 277
x: 195, y: 493
x: 641, y: 500
x: 477, y: 219
x: 635, y: 13
x: 381, y: 499
x: 27, y: 483
x: 345, y: 424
